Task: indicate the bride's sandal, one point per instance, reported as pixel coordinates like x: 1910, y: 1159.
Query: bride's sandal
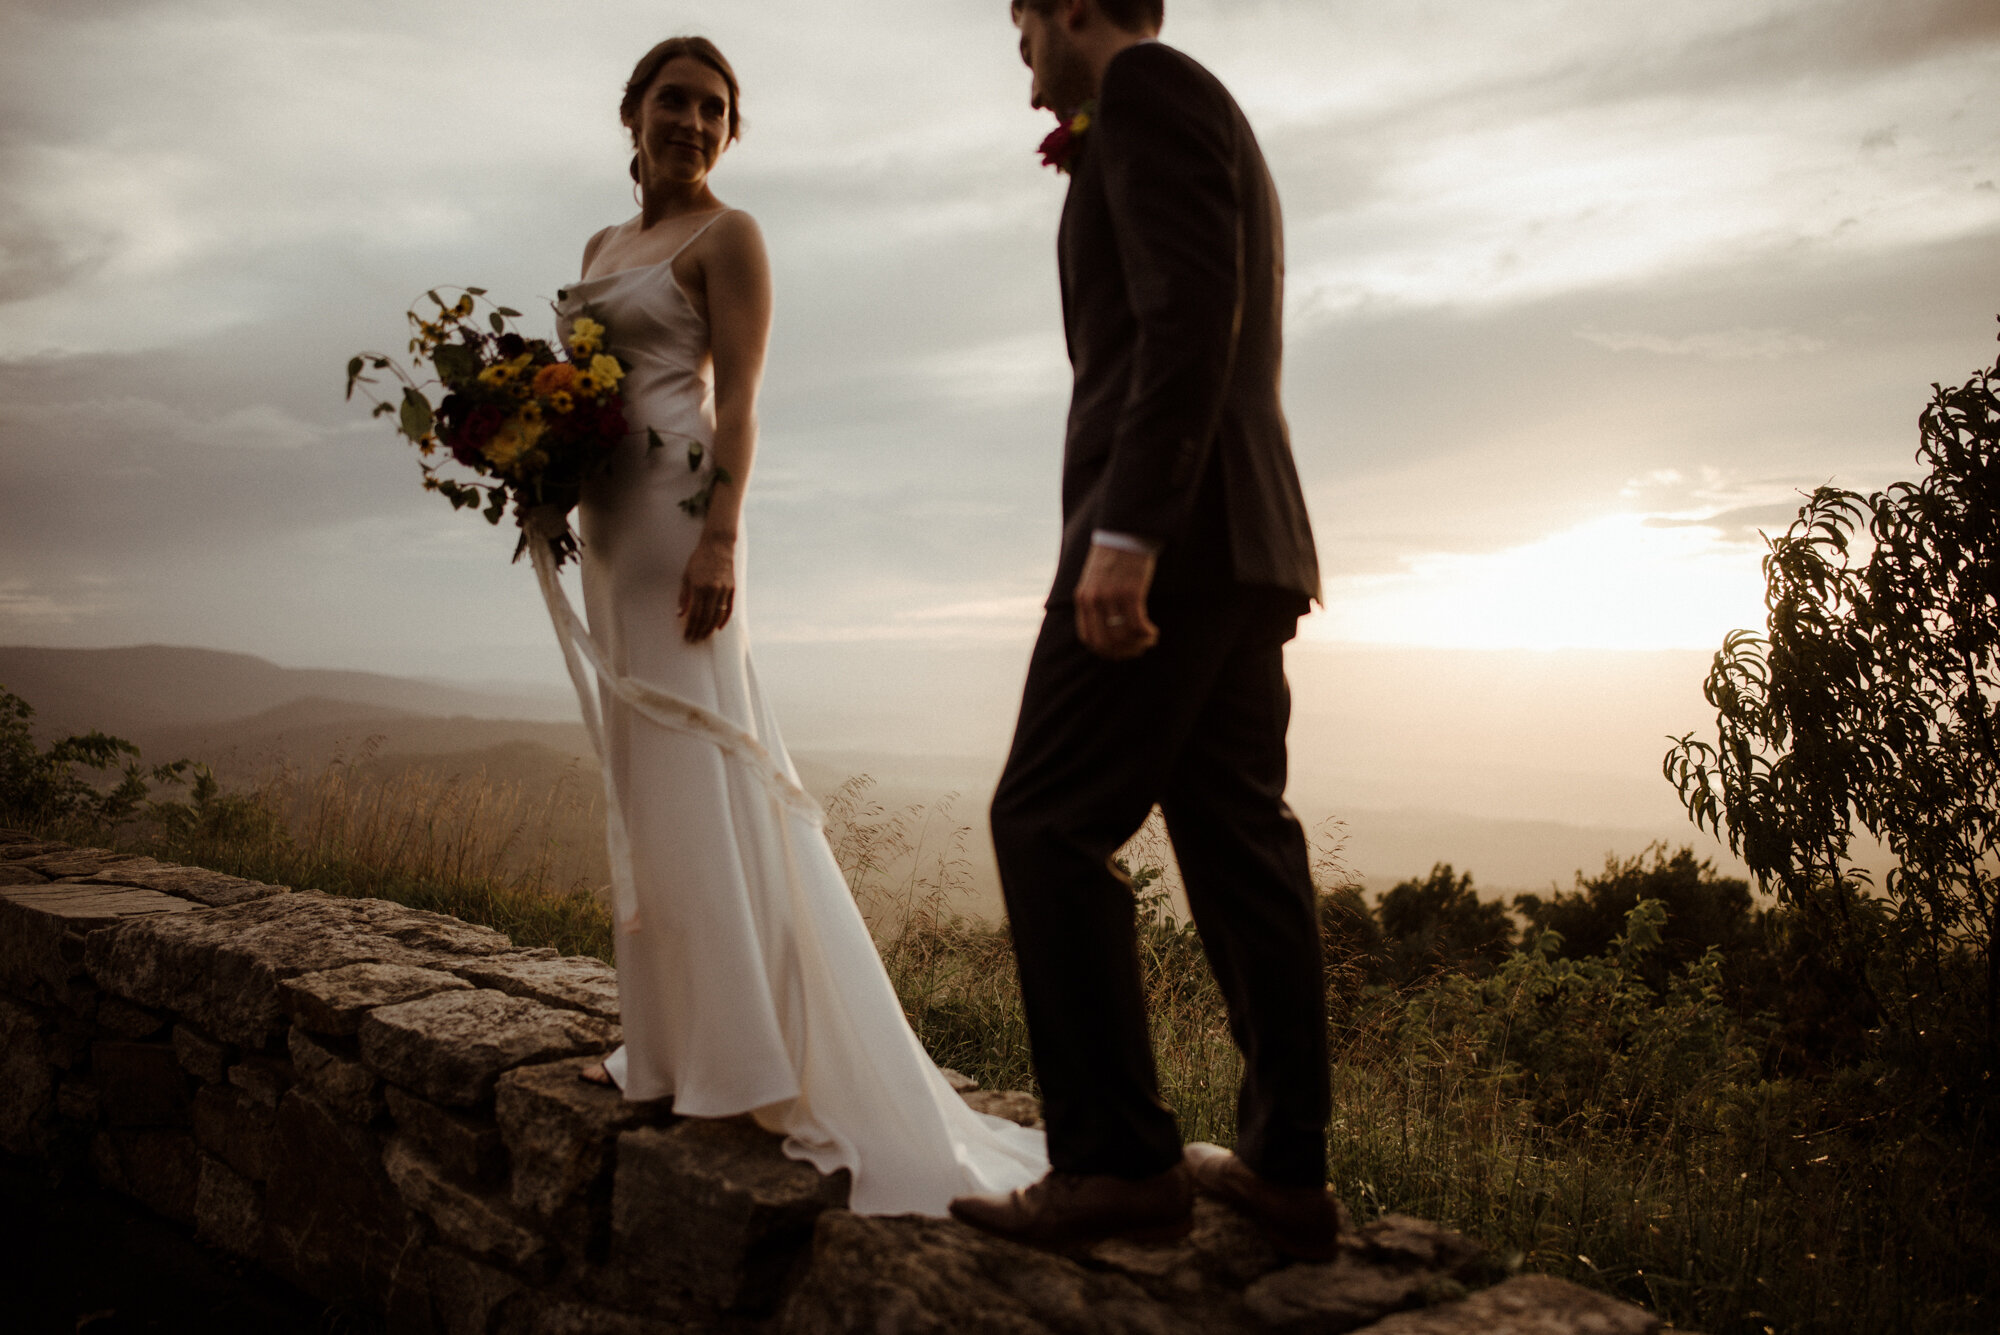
x: 597, y: 1075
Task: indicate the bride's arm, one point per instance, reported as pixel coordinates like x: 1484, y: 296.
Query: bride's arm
x: 736, y: 275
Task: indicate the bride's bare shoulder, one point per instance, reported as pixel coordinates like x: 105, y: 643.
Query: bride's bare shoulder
x: 595, y: 244
x: 735, y: 235
x: 739, y: 224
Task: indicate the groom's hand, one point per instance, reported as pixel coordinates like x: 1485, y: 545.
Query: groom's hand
x: 1111, y: 615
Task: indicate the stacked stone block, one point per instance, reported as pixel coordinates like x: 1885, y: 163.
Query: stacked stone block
x: 381, y: 1106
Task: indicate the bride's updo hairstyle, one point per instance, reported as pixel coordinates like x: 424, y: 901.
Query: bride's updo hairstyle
x: 648, y: 69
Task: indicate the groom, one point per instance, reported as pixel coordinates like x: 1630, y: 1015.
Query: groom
x: 1158, y: 676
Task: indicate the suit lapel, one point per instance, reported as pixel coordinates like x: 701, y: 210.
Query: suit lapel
x: 1069, y: 242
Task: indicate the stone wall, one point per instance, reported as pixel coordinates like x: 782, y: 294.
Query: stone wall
x: 381, y: 1106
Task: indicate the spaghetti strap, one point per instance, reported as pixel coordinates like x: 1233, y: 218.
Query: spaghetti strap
x: 696, y: 235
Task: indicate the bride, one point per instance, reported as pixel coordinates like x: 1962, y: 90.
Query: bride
x: 747, y: 981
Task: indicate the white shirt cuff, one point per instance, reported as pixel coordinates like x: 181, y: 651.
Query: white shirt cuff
x: 1124, y: 542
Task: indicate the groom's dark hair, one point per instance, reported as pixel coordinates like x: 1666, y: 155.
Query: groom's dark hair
x: 1131, y: 15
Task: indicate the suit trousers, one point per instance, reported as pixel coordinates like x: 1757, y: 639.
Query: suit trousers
x: 1197, y: 726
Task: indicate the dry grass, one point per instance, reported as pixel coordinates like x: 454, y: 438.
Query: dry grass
x: 527, y: 864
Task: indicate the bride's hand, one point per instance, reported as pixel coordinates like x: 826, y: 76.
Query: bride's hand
x: 708, y: 587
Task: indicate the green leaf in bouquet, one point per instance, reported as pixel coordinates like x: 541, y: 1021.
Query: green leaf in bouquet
x: 697, y: 504
x: 435, y: 298
x: 653, y: 441
x: 455, y: 363
x: 381, y: 408
x: 499, y: 325
x: 416, y: 416
x: 353, y: 374
x: 509, y: 312
x: 496, y: 505
x: 695, y: 453
x: 475, y: 291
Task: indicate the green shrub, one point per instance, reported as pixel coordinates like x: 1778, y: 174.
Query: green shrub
x: 43, y: 788
x: 1439, y: 924
x: 1871, y: 703
x: 1591, y: 1037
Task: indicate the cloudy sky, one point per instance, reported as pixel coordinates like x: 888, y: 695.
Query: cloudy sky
x: 1582, y: 294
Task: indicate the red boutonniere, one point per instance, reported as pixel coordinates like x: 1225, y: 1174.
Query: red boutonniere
x: 1064, y: 142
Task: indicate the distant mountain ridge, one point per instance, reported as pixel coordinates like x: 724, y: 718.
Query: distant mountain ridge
x: 246, y: 717
x: 147, y: 687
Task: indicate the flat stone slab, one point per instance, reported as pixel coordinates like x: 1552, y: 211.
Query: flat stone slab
x: 1221, y: 1254
x: 211, y: 888
x: 920, y: 1276
x: 1345, y: 1293
x: 35, y: 919
x: 1525, y: 1305
x: 465, y: 1145
x: 1014, y: 1105
x: 224, y: 968
x: 228, y: 1209
x: 333, y: 1001
x: 335, y: 1079
x: 199, y: 1055
x: 69, y: 861
x: 1400, y: 1239
x: 714, y: 1209
x: 27, y: 1082
x: 466, y: 1219
x: 17, y: 847
x: 561, y: 1131
x: 928, y: 1277
x: 452, y: 1047
x: 86, y: 907
x: 573, y: 982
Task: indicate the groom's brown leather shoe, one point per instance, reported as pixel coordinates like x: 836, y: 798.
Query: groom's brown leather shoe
x: 1069, y: 1209
x: 1301, y: 1222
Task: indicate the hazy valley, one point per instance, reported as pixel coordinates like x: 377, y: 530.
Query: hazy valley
x: 1520, y: 768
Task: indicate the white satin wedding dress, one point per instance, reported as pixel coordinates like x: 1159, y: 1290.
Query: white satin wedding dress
x: 747, y: 981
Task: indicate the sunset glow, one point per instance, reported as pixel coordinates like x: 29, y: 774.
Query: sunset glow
x: 1625, y: 581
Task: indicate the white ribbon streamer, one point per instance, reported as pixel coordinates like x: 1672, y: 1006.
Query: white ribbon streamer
x: 660, y: 707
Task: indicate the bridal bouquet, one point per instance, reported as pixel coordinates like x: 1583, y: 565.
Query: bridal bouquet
x: 531, y: 419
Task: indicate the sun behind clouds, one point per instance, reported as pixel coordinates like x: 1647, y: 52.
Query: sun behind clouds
x: 1622, y: 581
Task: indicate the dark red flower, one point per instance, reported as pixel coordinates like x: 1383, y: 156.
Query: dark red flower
x: 468, y: 440
x: 1056, y: 148
x: 1063, y: 143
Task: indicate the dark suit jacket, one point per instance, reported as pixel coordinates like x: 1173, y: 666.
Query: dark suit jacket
x: 1172, y: 261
